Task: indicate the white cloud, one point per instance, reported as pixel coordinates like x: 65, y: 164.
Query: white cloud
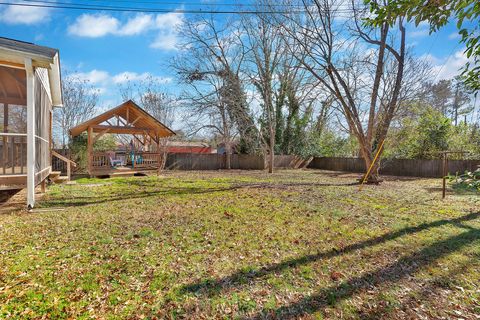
x: 419, y: 33
x: 451, y: 67
x: 103, y: 82
x: 14, y: 14
x: 167, y: 25
x: 123, y: 77
x: 430, y: 58
x: 167, y: 41
x: 126, y: 76
x: 448, y: 67
x: 39, y: 37
x: 168, y: 21
x: 100, y: 25
x: 94, y: 77
x: 136, y: 25
x: 94, y: 25
x: 424, y: 24
x: 454, y: 36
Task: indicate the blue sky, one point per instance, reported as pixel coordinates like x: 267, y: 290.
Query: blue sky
x: 104, y: 46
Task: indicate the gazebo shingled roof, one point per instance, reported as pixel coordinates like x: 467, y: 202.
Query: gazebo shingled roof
x: 131, y: 119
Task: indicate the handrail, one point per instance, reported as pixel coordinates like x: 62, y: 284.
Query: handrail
x: 65, y: 159
x: 8, y: 134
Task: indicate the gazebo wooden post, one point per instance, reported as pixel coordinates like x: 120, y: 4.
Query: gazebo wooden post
x: 159, y: 155
x: 134, y: 159
x: 90, y: 149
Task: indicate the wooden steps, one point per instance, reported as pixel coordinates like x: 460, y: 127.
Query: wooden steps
x: 57, y: 178
x: 123, y: 172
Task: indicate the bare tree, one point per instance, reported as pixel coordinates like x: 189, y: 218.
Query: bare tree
x: 149, y: 92
x: 298, y: 99
x: 210, y: 67
x: 208, y: 112
x: 366, y: 86
x: 461, y: 101
x: 288, y: 93
x: 79, y: 101
x: 266, y: 53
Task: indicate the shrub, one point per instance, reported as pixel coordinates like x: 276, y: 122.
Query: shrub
x: 469, y: 181
x: 78, y: 147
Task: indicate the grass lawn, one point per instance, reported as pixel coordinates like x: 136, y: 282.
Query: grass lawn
x: 214, y: 245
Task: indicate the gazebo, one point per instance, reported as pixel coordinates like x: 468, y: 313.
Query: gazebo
x: 145, y: 152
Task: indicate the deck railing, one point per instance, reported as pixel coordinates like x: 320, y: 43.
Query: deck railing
x: 139, y: 160
x: 13, y: 153
x: 100, y: 160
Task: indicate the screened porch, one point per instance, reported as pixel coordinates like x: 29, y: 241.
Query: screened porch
x: 29, y: 88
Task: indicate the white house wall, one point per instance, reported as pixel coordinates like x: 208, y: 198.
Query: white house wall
x: 42, y: 74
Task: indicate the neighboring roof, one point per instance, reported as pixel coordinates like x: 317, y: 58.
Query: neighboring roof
x: 188, y: 144
x: 138, y: 121
x: 27, y: 47
x: 13, y: 54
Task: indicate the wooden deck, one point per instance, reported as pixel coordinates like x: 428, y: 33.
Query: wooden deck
x: 13, y: 182
x: 122, y: 172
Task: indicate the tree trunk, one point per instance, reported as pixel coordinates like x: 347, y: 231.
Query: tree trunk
x: 228, y: 156
x: 271, y: 156
x: 373, y: 175
x: 455, y: 105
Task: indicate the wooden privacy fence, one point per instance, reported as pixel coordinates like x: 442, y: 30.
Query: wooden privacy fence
x: 396, y: 167
x: 197, y: 161
x: 193, y: 161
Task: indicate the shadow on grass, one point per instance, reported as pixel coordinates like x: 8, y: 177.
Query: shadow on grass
x: 389, y: 274
x: 215, y: 286
x: 430, y: 293
x: 78, y: 201
x: 6, y: 195
x: 260, y: 185
x: 452, y: 191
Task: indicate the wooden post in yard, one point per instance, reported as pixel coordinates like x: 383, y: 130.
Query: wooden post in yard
x: 43, y: 185
x: 90, y: 149
x: 445, y: 169
x: 69, y: 174
x: 444, y: 173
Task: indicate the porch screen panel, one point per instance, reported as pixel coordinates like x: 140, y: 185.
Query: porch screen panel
x: 43, y: 106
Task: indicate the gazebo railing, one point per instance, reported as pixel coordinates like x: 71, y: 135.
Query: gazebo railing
x: 146, y: 160
x: 100, y: 160
x: 138, y: 160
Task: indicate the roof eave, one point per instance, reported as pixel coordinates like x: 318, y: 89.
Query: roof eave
x: 54, y: 76
x: 18, y: 57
